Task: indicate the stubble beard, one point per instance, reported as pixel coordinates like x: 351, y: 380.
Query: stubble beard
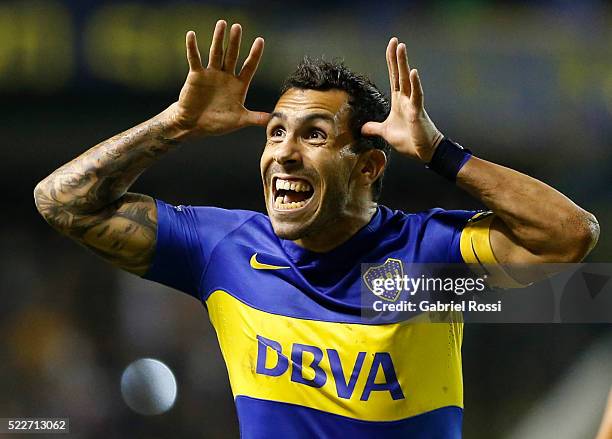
x: 323, y: 220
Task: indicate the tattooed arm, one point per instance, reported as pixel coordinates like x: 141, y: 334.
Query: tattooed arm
x: 87, y: 198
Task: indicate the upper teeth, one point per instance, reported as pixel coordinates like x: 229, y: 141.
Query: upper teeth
x: 297, y: 186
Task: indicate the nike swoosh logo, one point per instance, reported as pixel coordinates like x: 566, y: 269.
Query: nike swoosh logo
x: 260, y: 266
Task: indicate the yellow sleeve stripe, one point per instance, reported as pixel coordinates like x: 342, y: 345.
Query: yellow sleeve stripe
x: 475, y: 247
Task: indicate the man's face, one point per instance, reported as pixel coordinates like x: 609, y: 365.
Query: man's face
x: 307, y: 164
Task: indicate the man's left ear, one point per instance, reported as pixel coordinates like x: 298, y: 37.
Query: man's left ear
x: 371, y: 165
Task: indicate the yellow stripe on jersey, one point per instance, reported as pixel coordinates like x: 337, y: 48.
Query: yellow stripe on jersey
x: 368, y: 372
x: 475, y: 247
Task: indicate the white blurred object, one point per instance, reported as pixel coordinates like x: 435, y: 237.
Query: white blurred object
x: 148, y: 387
x: 574, y: 407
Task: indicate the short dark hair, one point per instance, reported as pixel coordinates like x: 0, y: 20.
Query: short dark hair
x: 367, y: 103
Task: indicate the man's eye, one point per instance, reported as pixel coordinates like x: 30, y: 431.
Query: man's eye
x: 316, y: 134
x: 277, y: 132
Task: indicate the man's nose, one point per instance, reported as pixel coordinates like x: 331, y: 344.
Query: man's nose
x: 287, y: 153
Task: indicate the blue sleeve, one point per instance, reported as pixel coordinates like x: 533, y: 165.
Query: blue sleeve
x: 186, y: 237
x: 442, y: 234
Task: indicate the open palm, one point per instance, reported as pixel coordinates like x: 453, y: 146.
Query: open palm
x: 408, y: 128
x: 211, y: 101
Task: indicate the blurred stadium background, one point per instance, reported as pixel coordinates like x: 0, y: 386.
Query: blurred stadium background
x: 526, y: 84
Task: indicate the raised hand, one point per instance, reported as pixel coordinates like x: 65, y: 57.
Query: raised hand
x: 408, y: 128
x: 212, y: 100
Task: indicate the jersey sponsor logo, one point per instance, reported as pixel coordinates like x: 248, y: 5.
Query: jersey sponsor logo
x: 391, y: 269
x: 421, y: 358
x: 313, y: 366
x: 261, y: 266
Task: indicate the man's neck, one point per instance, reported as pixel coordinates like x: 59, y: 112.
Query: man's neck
x: 338, y: 232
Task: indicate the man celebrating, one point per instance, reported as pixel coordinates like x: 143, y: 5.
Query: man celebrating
x: 283, y: 290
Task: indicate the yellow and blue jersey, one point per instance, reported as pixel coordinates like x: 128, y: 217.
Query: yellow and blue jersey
x: 301, y: 361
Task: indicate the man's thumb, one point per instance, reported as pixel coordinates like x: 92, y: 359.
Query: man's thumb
x: 257, y: 118
x: 371, y: 129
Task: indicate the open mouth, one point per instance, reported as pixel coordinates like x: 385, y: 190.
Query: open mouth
x: 291, y: 193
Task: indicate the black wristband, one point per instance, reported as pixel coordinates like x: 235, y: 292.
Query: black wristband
x: 449, y: 158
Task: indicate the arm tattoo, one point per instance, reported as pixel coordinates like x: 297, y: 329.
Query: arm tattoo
x: 87, y: 199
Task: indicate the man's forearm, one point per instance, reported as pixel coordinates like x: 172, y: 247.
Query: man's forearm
x: 542, y: 220
x: 87, y: 199
x: 103, y: 174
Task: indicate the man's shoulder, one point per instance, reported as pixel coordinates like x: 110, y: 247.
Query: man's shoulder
x: 208, y: 212
x: 210, y: 219
x: 431, y: 235
x: 237, y: 218
x: 433, y: 215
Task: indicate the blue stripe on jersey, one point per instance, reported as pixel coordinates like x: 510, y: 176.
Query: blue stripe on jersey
x: 201, y: 249
x: 261, y: 419
x: 325, y: 286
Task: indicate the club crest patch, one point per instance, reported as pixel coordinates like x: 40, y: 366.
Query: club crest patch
x: 391, y: 269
